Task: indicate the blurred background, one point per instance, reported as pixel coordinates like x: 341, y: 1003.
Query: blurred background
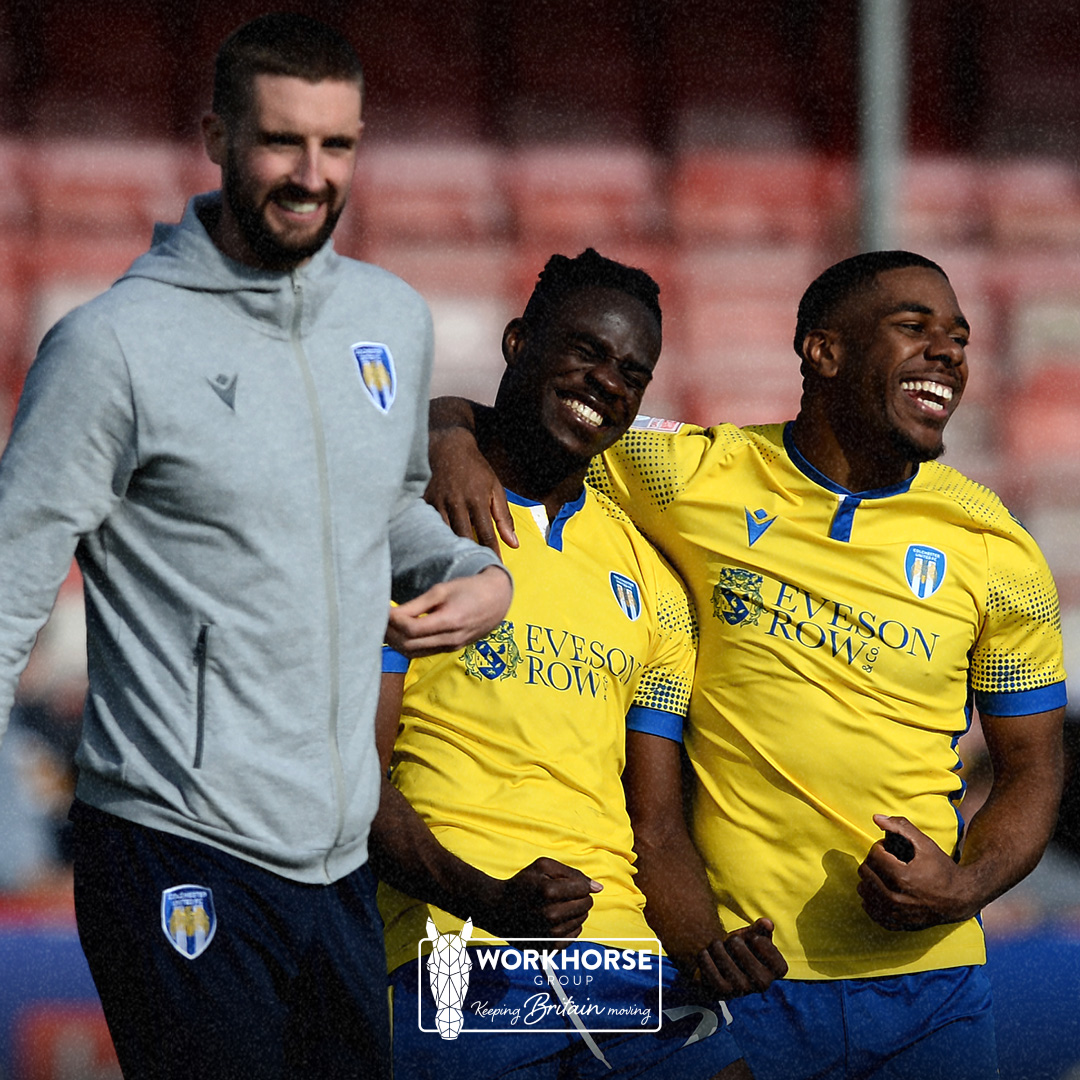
x: 726, y: 147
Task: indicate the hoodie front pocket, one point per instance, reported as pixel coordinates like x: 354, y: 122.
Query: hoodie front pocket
x: 201, y: 646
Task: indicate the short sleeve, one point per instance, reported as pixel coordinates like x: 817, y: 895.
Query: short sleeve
x: 393, y: 662
x: 1017, y: 665
x: 662, y: 698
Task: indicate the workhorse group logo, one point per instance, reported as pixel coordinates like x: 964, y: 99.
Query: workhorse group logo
x: 523, y: 987
x: 448, y: 967
x: 188, y: 918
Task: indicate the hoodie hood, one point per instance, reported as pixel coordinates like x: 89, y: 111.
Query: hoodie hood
x: 183, y: 255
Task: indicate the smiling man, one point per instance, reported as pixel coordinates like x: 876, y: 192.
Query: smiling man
x: 516, y: 752
x: 855, y: 598
x: 232, y: 441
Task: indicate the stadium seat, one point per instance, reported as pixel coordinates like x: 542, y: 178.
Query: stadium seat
x: 1034, y: 203
x: 757, y: 198
x: 437, y: 192
x: 767, y: 399
x: 64, y: 271
x: 580, y: 195
x: 89, y: 186
x: 748, y: 294
x: 1041, y: 435
x: 16, y: 208
x: 941, y: 200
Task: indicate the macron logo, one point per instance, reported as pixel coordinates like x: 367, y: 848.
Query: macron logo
x: 225, y: 388
x: 756, y: 524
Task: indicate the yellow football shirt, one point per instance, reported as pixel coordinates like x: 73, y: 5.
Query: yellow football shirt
x: 840, y: 634
x: 515, y: 747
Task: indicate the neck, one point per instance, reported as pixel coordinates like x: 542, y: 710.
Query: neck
x: 844, y: 456
x: 528, y: 466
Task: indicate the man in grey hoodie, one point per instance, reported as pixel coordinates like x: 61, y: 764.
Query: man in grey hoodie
x: 232, y: 440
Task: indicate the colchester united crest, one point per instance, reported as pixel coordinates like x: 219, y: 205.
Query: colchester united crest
x: 627, y: 594
x: 924, y: 568
x: 737, y: 596
x: 495, y: 656
x: 377, y: 371
x: 188, y: 918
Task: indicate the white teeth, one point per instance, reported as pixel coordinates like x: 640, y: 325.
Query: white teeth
x: 590, y: 416
x: 927, y: 386
x: 300, y: 207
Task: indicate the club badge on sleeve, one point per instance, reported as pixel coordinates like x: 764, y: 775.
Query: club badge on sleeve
x: 188, y: 918
x: 377, y: 372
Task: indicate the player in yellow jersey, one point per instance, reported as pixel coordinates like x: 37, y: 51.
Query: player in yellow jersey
x: 512, y: 755
x: 855, y: 598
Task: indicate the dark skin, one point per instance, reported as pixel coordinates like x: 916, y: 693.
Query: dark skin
x: 544, y: 899
x: 896, y: 359
x: 893, y: 358
x: 678, y: 902
x: 571, y: 391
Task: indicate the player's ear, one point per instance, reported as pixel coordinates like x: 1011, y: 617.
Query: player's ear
x: 822, y: 353
x: 214, y: 138
x: 513, y: 342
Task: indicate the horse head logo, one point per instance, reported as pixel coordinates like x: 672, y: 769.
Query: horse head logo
x: 448, y: 966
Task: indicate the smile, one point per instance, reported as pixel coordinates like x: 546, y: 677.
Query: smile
x: 933, y: 395
x: 298, y: 207
x: 584, y: 412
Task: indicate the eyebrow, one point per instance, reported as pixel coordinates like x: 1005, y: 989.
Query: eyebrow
x: 922, y: 309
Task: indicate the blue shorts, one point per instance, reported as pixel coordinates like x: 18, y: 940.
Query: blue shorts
x: 934, y: 1025
x: 208, y: 966
x: 682, y: 1036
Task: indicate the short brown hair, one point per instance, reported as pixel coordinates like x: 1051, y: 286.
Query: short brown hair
x: 281, y: 43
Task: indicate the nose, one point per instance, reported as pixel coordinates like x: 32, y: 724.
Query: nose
x: 943, y: 346
x: 308, y: 172
x: 606, y: 374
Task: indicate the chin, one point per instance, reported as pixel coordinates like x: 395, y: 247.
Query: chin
x: 916, y: 452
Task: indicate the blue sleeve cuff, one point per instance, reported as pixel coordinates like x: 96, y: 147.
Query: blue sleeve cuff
x: 393, y: 661
x: 654, y: 722
x: 1023, y: 702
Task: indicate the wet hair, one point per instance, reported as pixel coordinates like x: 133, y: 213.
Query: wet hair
x: 833, y: 286
x: 563, y: 276
x: 280, y: 43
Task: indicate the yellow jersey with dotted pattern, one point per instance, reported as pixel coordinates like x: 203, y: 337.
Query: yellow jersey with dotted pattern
x: 514, y: 748
x: 841, y: 637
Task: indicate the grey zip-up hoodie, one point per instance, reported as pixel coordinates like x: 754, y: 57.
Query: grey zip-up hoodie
x: 202, y: 437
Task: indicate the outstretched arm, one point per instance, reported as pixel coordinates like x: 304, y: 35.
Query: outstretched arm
x: 463, y: 487
x: 544, y: 899
x: 1004, y: 842
x: 679, y: 904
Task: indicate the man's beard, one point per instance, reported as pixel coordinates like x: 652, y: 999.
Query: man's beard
x: 271, y: 253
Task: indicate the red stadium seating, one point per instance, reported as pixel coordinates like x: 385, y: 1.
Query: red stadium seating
x: 569, y: 195
x: 941, y: 201
x: 436, y: 192
x: 758, y: 198
x: 105, y: 187
x: 1034, y: 202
